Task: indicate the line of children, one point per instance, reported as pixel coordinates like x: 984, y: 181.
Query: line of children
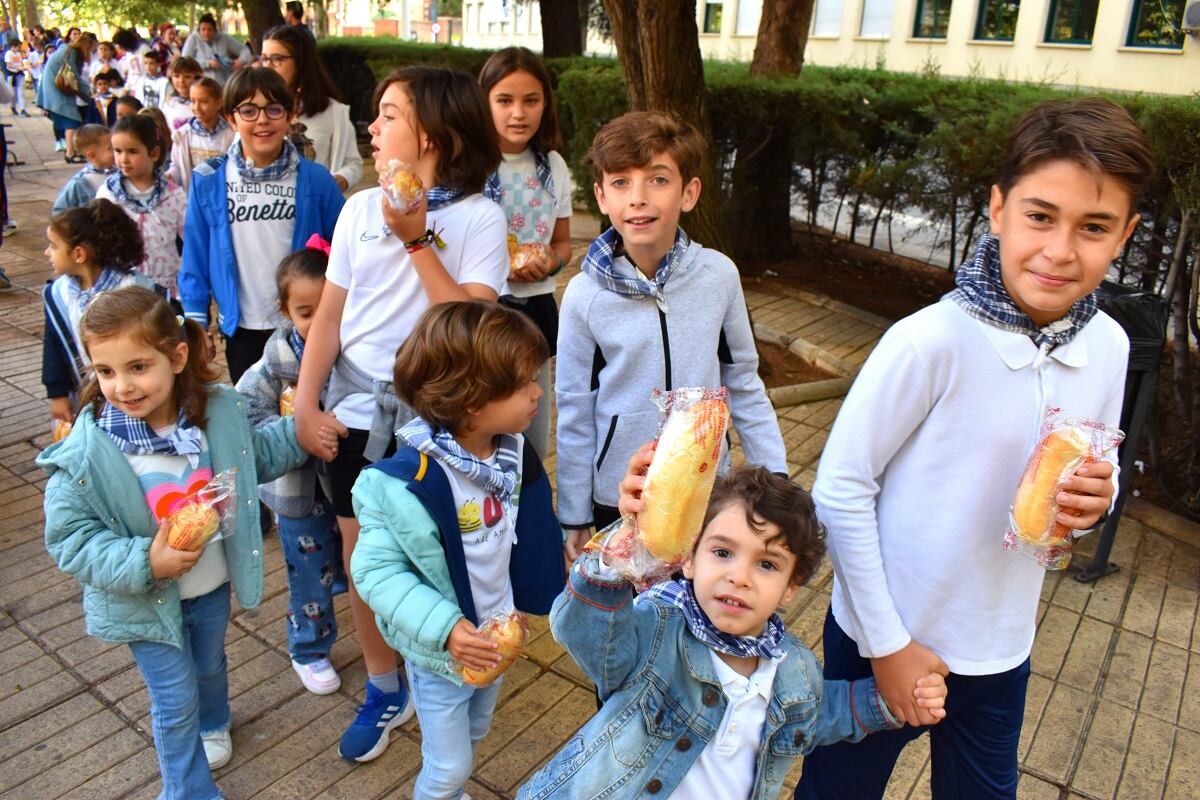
x: 533, y: 187
x: 308, y: 532
x: 151, y: 200
x: 94, y: 142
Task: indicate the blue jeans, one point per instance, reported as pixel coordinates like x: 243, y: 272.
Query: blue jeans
x: 448, y: 714
x: 312, y: 550
x: 189, y: 694
x: 974, y: 749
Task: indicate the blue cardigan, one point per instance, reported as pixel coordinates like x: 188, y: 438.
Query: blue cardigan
x: 210, y: 266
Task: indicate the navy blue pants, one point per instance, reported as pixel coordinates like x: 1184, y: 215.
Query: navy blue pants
x: 973, y: 750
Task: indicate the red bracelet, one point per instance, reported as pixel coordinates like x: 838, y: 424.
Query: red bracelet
x: 424, y: 240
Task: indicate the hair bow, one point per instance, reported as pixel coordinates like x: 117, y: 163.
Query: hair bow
x: 317, y: 242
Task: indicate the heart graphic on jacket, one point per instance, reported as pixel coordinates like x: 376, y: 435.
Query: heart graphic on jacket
x: 166, y: 497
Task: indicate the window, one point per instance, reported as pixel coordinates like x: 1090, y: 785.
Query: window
x: 1071, y: 21
x: 933, y: 18
x: 749, y: 14
x: 712, y: 15
x: 997, y: 20
x: 827, y: 18
x: 1155, y: 23
x: 876, y: 18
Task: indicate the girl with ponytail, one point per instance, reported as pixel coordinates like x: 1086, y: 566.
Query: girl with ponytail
x: 152, y: 429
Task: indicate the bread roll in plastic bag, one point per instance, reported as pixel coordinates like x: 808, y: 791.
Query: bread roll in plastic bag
x: 206, y: 515
x: 649, y: 547
x: 507, y: 630
x: 402, y: 186
x: 287, y: 401
x: 1066, y: 444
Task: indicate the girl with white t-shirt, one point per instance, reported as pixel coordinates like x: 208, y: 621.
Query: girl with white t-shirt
x: 385, y: 269
x: 533, y: 187
x: 322, y: 130
x: 155, y: 203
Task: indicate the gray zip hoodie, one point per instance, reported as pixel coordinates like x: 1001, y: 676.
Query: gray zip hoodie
x: 614, y: 350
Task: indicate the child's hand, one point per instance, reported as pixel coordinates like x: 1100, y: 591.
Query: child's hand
x: 1086, y: 495
x: 536, y: 268
x: 318, y: 432
x: 898, y: 673
x: 573, y: 544
x: 60, y: 408
x: 406, y: 227
x: 469, y: 648
x: 166, y: 561
x: 630, y: 501
x: 931, y: 695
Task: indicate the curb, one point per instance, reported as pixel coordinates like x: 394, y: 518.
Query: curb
x: 795, y: 394
x: 1168, y: 523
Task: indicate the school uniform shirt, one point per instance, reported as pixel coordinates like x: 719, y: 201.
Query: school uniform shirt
x: 919, y: 472
x: 160, y: 227
x: 167, y: 481
x: 487, y: 535
x: 191, y: 147
x: 530, y: 210
x: 178, y: 110
x: 725, y: 768
x: 262, y: 216
x: 384, y: 295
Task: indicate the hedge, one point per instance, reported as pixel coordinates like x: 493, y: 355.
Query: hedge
x: 858, y: 138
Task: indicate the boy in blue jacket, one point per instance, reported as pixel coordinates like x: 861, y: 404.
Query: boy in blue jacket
x: 458, y: 526
x: 705, y: 694
x: 247, y: 210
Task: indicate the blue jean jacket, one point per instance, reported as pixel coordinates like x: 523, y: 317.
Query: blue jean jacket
x: 663, y: 701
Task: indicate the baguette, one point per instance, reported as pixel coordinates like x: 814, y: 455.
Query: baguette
x: 1056, y: 457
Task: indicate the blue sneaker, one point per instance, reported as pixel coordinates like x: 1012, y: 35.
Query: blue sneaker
x: 367, y: 737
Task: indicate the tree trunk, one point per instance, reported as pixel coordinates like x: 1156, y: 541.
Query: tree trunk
x: 564, y: 27
x: 30, y: 15
x: 761, y: 208
x: 658, y: 46
x: 260, y: 15
x: 320, y: 18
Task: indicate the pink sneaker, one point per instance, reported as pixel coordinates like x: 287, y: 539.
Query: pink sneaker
x: 319, y: 677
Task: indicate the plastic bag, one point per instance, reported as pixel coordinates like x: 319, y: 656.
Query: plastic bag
x: 650, y: 546
x: 287, y: 401
x: 208, y: 514
x: 521, y: 255
x: 59, y: 430
x: 509, y: 631
x: 401, y: 186
x: 1066, y: 444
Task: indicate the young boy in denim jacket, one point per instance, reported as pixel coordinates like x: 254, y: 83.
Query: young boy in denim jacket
x: 705, y: 695
x: 458, y: 525
x: 920, y: 469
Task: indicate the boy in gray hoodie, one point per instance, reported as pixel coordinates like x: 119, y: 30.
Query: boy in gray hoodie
x: 651, y: 309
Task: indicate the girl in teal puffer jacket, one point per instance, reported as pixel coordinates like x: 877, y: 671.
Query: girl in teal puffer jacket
x: 153, y: 429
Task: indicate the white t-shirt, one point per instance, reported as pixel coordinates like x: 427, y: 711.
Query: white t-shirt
x: 530, y: 210
x: 177, y: 109
x: 262, y: 217
x: 151, y: 90
x: 384, y: 295
x: 725, y: 768
x: 488, y: 538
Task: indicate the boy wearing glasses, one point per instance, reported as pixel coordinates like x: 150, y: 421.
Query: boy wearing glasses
x: 247, y: 209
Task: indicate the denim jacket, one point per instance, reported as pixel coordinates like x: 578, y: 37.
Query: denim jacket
x: 663, y: 700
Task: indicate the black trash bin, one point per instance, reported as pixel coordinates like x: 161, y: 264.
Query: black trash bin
x: 1143, y: 315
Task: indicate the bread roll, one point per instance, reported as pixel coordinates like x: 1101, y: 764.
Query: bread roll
x: 287, y: 401
x: 402, y: 186
x: 510, y: 635
x: 1056, y: 458
x: 192, y: 526
x: 60, y: 431
x: 680, y: 477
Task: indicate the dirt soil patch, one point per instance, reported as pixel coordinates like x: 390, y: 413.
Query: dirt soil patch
x: 779, y: 366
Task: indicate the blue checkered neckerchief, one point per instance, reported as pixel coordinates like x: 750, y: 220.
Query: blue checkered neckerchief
x: 297, y: 343
x: 196, y: 125
x: 598, y: 264
x: 681, y: 595
x: 134, y: 437
x: 438, y: 196
x: 116, y: 185
x: 284, y: 165
x: 109, y: 278
x: 499, y: 480
x: 982, y: 295
x: 541, y: 165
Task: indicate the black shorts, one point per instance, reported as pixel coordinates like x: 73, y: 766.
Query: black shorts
x: 343, y: 471
x: 542, y: 309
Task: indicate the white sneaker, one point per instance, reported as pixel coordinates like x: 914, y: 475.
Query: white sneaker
x: 319, y: 677
x: 60, y: 146
x: 218, y: 748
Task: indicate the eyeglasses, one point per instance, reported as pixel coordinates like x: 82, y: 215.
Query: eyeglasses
x: 249, y: 111
x: 274, y: 61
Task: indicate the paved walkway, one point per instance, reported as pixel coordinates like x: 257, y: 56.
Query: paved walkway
x: 1113, y: 707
